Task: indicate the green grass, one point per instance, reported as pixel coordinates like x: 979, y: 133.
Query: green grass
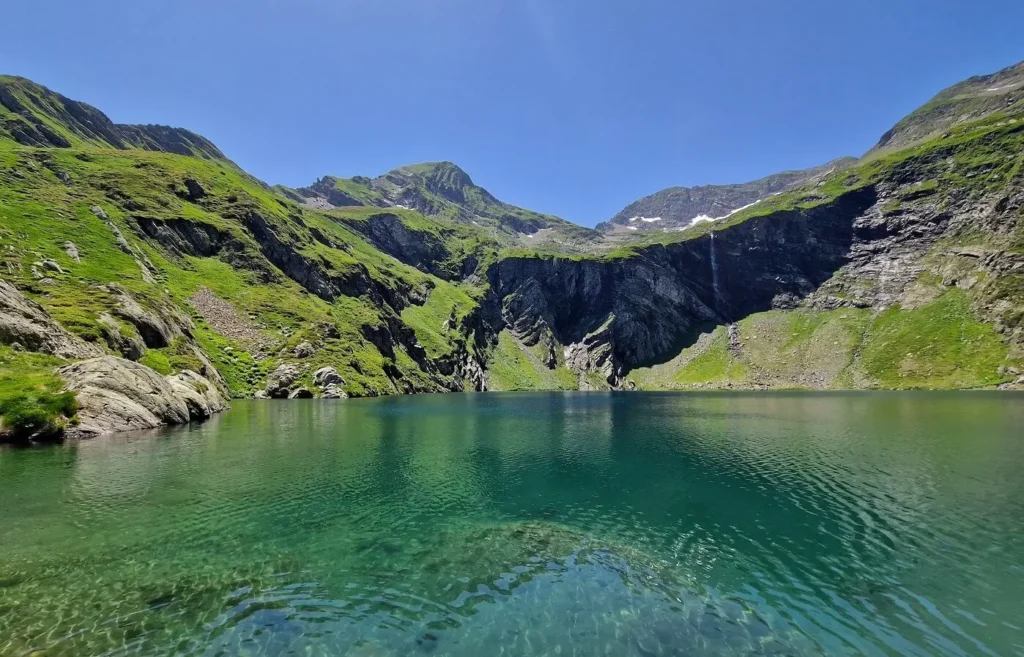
x: 30, y: 399
x: 512, y: 367
x: 715, y: 365
x: 436, y: 323
x: 941, y: 345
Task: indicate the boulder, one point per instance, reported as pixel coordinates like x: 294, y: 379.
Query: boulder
x: 72, y: 251
x: 334, y: 392
x: 261, y: 394
x: 304, y: 350
x: 50, y: 265
x: 26, y: 323
x: 115, y: 394
x: 326, y: 376
x: 300, y: 393
x: 280, y: 380
x: 195, y: 189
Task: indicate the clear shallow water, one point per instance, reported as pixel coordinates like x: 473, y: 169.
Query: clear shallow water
x: 529, y: 524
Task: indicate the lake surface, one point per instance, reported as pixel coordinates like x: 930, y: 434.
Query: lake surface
x: 572, y: 524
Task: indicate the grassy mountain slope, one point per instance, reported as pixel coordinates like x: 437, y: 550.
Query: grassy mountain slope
x: 32, y: 115
x: 966, y: 101
x: 112, y: 239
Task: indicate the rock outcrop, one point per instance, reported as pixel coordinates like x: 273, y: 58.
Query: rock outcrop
x: 24, y: 323
x: 116, y: 395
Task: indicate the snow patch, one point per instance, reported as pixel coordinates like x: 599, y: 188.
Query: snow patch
x: 633, y: 228
x: 1004, y: 87
x: 703, y: 217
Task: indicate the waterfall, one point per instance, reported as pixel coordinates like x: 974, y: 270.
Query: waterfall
x: 714, y: 274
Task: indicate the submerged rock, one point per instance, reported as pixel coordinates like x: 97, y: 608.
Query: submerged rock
x: 115, y: 394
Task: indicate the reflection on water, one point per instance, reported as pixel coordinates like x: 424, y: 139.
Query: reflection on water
x: 529, y: 524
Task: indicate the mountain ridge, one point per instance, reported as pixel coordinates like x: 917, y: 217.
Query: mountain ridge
x: 677, y: 207
x: 32, y: 115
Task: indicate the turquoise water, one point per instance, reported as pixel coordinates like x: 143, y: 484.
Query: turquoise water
x: 529, y: 524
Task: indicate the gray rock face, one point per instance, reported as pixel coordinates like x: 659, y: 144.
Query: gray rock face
x: 129, y: 345
x: 195, y: 189
x: 304, y: 350
x: 25, y: 323
x: 72, y: 251
x: 157, y: 328
x: 119, y: 395
x: 422, y: 250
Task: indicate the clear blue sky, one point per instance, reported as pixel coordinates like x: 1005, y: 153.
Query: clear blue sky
x: 574, y: 107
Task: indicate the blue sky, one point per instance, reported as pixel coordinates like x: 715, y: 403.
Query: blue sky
x: 573, y: 107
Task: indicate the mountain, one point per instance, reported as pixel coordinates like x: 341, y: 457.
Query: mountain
x: 966, y: 101
x: 143, y: 282
x: 681, y: 207
x: 440, y: 189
